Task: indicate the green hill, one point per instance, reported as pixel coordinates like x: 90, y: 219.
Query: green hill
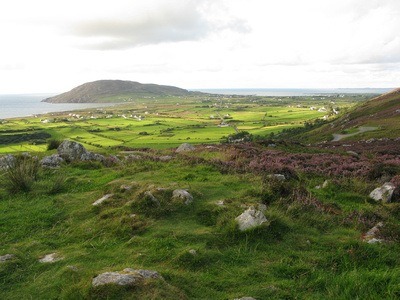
x: 376, y: 118
x: 115, y: 91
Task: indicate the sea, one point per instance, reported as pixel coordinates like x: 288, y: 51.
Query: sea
x: 295, y: 92
x: 25, y: 105
x: 30, y: 104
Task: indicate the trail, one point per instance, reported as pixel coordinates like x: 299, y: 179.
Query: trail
x: 337, y: 137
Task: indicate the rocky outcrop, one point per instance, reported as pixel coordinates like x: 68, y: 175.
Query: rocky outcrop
x: 126, y: 277
x: 384, y: 193
x: 182, y: 195
x: 52, y: 161
x: 185, y: 147
x: 251, y: 218
x: 245, y: 298
x: 71, y: 151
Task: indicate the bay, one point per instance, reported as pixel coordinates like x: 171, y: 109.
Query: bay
x: 24, y: 105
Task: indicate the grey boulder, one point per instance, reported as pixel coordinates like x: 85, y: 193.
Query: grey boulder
x: 127, y: 277
x: 185, y: 147
x: 183, y: 195
x: 52, y: 161
x: 251, y: 218
x: 383, y: 193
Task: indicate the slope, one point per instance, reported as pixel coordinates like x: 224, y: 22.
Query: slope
x: 376, y: 118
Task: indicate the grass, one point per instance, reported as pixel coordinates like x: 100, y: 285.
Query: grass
x: 312, y: 247
x: 303, y: 254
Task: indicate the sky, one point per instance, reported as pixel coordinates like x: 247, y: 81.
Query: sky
x: 52, y: 46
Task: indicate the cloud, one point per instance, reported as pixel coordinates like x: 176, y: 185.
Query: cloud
x: 176, y: 22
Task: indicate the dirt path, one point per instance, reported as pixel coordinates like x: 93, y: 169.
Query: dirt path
x: 337, y: 137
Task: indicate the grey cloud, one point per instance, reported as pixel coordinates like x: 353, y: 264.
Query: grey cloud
x: 164, y: 24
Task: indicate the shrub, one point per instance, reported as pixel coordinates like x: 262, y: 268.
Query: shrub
x: 380, y: 170
x: 58, y: 184
x: 22, y: 173
x: 53, y: 144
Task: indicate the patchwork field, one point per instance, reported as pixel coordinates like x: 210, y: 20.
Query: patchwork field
x: 168, y: 122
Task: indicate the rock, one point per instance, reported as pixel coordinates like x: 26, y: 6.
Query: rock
x: 220, y: 203
x: 71, y: 151
x: 73, y: 268
x: 262, y: 207
x: 245, y: 298
x: 371, y: 236
x: 102, y: 199
x: 182, y: 195
x: 52, y: 161
x: 185, y: 147
x: 374, y: 241
x: 146, y: 274
x: 127, y: 277
x: 323, y: 186
x: 151, y: 197
x: 353, y: 153
x: 133, y: 157
x: 90, y: 156
x: 165, y: 158
x: 125, y: 188
x: 114, y: 159
x: 6, y: 257
x: 7, y: 161
x: 50, y: 258
x: 278, y: 177
x: 250, y: 218
x: 193, y: 252
x: 383, y: 193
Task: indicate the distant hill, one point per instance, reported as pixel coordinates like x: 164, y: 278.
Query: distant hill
x: 115, y: 91
x: 376, y: 118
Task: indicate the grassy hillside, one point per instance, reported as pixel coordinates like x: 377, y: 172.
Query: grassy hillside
x: 381, y: 115
x: 115, y: 91
x: 312, y: 247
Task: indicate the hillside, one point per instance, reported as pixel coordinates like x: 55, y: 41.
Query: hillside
x: 115, y: 91
x: 376, y: 118
x: 97, y: 199
x: 318, y: 234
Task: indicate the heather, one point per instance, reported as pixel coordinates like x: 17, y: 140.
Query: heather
x: 359, y: 160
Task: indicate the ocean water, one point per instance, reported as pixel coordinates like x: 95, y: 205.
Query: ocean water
x: 295, y: 92
x: 27, y: 105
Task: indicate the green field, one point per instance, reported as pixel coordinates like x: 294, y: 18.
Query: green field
x: 165, y: 123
